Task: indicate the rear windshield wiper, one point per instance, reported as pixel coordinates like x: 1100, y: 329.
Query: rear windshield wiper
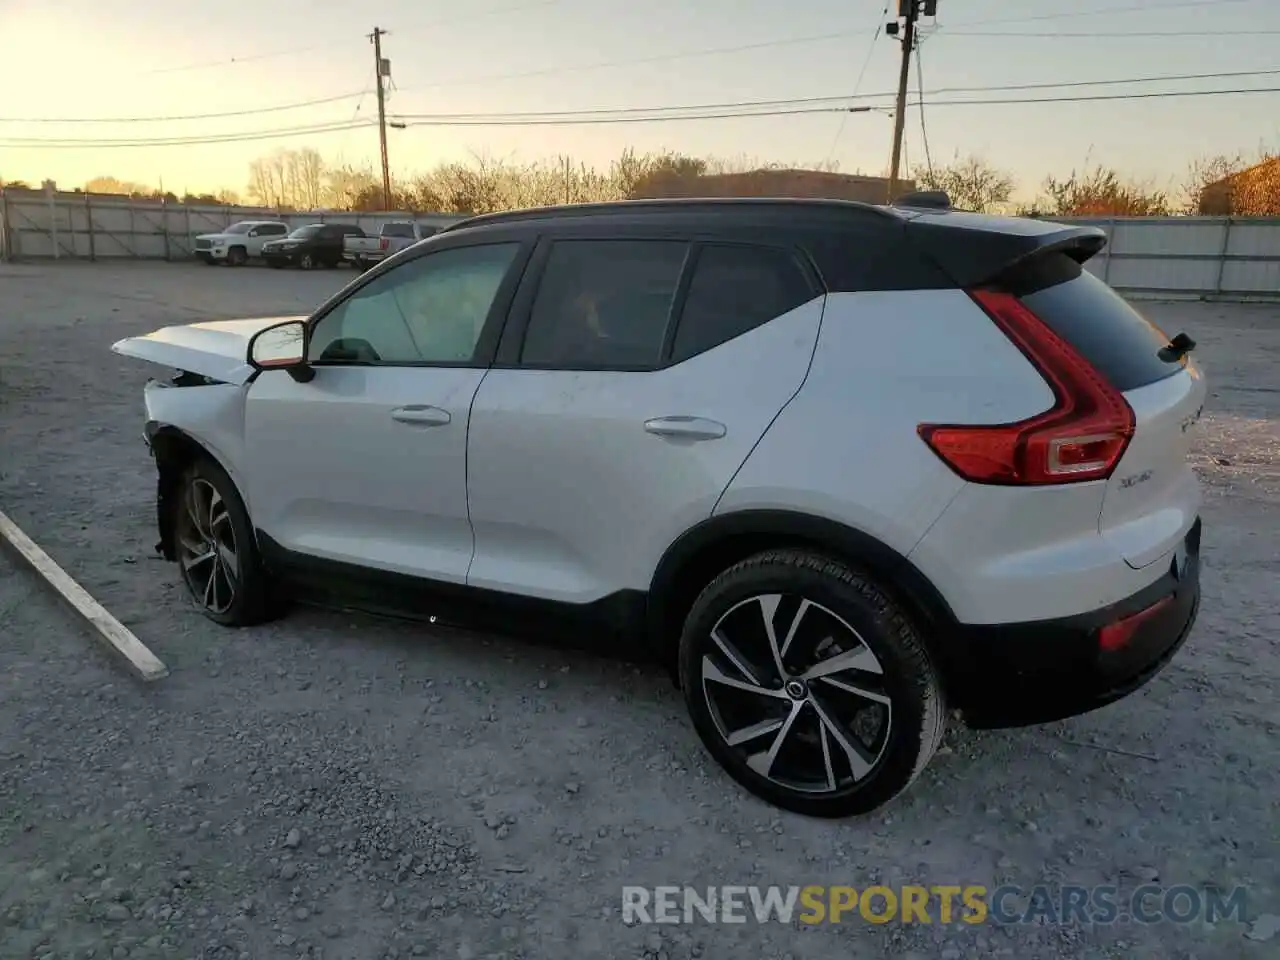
x: 1176, y: 349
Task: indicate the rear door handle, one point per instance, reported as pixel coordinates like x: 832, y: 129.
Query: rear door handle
x: 421, y: 415
x: 686, y: 428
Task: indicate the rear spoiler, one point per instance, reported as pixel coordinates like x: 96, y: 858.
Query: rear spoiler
x: 974, y: 250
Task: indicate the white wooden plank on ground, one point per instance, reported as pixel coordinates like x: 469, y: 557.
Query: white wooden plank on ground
x: 110, y: 630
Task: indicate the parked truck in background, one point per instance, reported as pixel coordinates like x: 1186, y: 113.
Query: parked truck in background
x: 240, y: 241
x: 364, y: 252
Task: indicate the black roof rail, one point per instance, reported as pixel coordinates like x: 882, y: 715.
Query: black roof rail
x: 658, y: 206
x: 928, y: 199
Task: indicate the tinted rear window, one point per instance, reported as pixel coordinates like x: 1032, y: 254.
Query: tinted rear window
x: 398, y: 230
x: 1119, y: 341
x: 736, y: 289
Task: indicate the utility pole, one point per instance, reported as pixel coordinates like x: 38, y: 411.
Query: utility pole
x: 909, y: 11
x: 382, y: 70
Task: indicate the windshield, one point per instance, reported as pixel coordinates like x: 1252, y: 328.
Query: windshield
x: 303, y: 233
x: 239, y: 228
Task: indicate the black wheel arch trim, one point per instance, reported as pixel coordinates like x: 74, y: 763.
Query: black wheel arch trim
x: 777, y: 527
x: 166, y: 443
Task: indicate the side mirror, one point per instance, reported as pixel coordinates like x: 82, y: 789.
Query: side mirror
x: 253, y: 232
x: 282, y: 347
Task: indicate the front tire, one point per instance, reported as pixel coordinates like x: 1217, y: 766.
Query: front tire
x: 809, y: 684
x: 216, y: 548
x: 306, y: 261
x: 237, y: 257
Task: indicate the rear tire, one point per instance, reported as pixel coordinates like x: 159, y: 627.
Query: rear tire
x: 782, y: 659
x: 216, y: 548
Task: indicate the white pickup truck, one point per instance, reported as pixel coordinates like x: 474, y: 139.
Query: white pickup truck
x: 238, y: 242
x: 364, y: 252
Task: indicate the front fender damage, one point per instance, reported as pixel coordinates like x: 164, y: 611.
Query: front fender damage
x: 189, y: 417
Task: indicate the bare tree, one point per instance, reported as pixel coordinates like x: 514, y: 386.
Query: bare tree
x: 971, y: 182
x: 115, y: 185
x: 305, y: 174
x: 266, y: 182
x: 344, y: 185
x: 1102, y: 191
x: 667, y: 174
x: 1233, y: 185
x: 289, y: 178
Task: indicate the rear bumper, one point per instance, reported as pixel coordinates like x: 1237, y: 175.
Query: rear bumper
x: 1020, y: 674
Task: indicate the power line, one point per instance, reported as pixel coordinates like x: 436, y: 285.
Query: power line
x: 571, y: 119
x: 361, y: 94
x: 45, y: 143
x: 748, y: 109
x: 234, y: 61
x: 483, y: 15
x: 330, y: 44
x: 1160, y: 78
x: 1155, y: 95
x: 1095, y: 11
x: 191, y: 116
x: 829, y: 100
x: 655, y: 118
x: 660, y: 58
x: 857, y: 84
x: 1113, y: 35
x: 924, y: 131
x: 833, y: 102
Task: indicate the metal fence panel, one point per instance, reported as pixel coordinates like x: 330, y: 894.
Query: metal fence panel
x: 1160, y: 256
x: 90, y: 226
x: 1223, y: 257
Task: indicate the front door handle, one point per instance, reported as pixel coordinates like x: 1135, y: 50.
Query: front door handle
x: 421, y: 415
x: 685, y: 428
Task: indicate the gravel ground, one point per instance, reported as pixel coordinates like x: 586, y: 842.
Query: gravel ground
x: 342, y: 786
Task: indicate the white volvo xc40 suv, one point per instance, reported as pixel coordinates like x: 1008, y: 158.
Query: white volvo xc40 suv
x: 843, y: 467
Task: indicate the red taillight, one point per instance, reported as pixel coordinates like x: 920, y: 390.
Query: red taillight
x: 384, y: 243
x: 1082, y: 437
x: 1116, y: 636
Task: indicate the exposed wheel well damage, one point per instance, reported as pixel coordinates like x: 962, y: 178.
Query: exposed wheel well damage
x: 174, y: 451
x: 707, y: 550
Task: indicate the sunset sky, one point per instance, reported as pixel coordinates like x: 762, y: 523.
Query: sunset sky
x: 93, y: 59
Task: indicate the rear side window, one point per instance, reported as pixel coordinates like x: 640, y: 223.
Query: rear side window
x: 1116, y: 339
x: 603, y: 304
x: 736, y: 289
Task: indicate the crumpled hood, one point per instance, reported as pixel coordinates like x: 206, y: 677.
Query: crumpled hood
x: 215, y: 348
